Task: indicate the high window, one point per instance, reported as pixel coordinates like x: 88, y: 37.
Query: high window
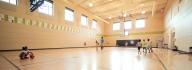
x: 84, y: 20
x: 127, y: 25
x: 13, y: 2
x: 46, y: 8
x: 69, y: 14
x: 94, y: 24
x: 140, y: 23
x: 116, y: 26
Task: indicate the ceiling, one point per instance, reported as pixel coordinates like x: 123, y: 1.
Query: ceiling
x: 116, y: 8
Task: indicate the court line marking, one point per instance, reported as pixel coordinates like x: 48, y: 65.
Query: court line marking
x: 17, y: 67
x: 165, y: 68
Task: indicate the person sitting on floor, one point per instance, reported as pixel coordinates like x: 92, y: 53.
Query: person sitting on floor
x: 26, y: 54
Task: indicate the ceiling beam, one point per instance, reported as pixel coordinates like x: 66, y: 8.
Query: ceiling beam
x: 153, y: 8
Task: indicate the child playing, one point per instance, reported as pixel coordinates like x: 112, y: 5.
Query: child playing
x: 144, y: 46
x: 26, y: 54
x: 149, y: 45
x: 139, y: 46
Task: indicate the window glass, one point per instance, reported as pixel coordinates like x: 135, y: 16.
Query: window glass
x: 140, y: 23
x: 69, y: 14
x: 116, y: 26
x: 94, y: 24
x: 128, y: 25
x: 84, y: 20
x: 13, y: 2
x: 46, y: 8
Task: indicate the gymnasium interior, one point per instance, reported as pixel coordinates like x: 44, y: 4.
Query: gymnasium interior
x: 95, y: 34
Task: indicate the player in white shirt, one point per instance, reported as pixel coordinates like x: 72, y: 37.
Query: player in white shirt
x: 139, y: 44
x: 149, y: 45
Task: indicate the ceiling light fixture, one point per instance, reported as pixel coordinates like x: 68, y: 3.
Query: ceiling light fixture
x: 124, y: 15
x: 109, y: 17
x: 90, y: 4
x: 143, y: 12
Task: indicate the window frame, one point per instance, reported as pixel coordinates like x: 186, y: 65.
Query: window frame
x: 87, y: 20
x: 94, y: 25
x: 9, y: 2
x: 129, y: 23
x: 116, y: 29
x: 47, y: 13
x: 137, y: 24
x: 71, y: 11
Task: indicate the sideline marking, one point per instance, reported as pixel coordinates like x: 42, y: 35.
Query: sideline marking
x: 10, y: 62
x: 165, y: 68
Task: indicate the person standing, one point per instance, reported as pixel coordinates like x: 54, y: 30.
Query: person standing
x: 101, y: 42
x: 139, y: 46
x: 85, y: 44
x: 126, y: 44
x: 149, y: 45
x: 144, y: 46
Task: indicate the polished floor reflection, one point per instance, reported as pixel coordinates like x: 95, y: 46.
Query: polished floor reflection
x: 112, y: 58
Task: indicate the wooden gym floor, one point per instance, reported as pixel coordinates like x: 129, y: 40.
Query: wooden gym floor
x: 111, y: 58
